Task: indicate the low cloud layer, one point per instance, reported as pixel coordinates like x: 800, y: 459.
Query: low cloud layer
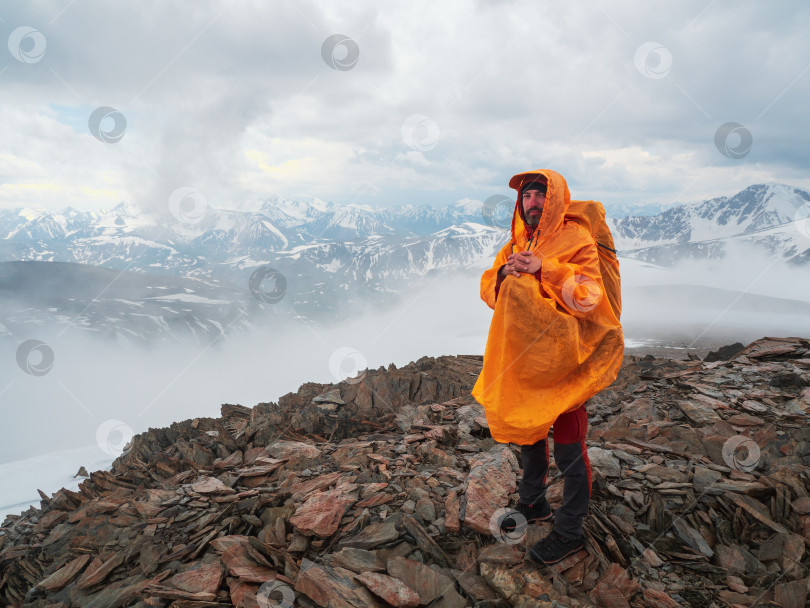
x: 92, y: 381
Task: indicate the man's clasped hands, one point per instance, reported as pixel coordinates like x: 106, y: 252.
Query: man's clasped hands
x: 522, y: 261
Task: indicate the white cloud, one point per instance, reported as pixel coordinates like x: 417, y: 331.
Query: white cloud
x: 511, y: 87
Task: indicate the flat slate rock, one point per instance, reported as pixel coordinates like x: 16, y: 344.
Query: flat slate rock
x: 392, y: 591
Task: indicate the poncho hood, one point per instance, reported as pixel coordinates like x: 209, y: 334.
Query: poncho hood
x: 558, y: 199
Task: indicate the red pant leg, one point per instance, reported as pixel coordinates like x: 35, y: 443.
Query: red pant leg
x: 572, y: 427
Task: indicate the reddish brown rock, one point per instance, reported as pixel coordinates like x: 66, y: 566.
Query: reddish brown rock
x: 331, y: 587
x: 490, y: 482
x: 501, y: 553
x: 320, y: 515
x: 617, y: 577
x: 428, y: 583
x: 373, y: 535
x: 569, y: 562
x: 97, y: 572
x: 735, y: 583
x: 237, y: 557
x: 243, y: 594
x: 301, y: 490
x: 651, y: 557
x: 792, y: 594
x: 211, y: 485
x: 357, y: 560
x: 474, y: 585
x: 576, y: 574
x: 608, y: 596
x: 170, y: 593
x: 787, y: 550
x: 253, y: 574
x: 451, y: 515
x: 49, y: 520
x: 200, y: 578
x: 801, y: 505
x: 293, y: 449
x: 391, y: 590
x: 64, y: 575
x: 658, y: 599
x: 224, y: 543
x: 467, y: 557
x: 508, y: 582
x: 730, y: 559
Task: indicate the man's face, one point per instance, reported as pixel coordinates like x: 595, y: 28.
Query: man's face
x: 533, y: 201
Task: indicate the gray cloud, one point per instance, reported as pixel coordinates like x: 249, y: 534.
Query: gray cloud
x: 237, y: 101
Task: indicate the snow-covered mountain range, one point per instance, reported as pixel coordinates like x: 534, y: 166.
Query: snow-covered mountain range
x: 332, y: 257
x: 773, y: 217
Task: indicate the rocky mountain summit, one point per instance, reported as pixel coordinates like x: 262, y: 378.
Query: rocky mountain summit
x: 387, y: 490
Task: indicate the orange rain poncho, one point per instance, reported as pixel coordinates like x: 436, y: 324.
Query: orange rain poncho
x: 555, y: 342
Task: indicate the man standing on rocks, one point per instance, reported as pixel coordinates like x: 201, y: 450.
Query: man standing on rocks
x: 554, y: 342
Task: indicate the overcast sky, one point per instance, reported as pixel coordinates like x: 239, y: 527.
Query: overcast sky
x: 398, y: 102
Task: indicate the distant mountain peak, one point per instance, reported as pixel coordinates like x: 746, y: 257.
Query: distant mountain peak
x: 31, y: 214
x: 761, y: 214
x: 128, y: 209
x: 467, y: 206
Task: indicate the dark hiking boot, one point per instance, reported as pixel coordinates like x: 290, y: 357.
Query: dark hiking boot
x: 532, y: 513
x: 555, y: 548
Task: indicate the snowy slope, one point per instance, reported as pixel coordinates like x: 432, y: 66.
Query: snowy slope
x: 49, y: 473
x: 755, y: 208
